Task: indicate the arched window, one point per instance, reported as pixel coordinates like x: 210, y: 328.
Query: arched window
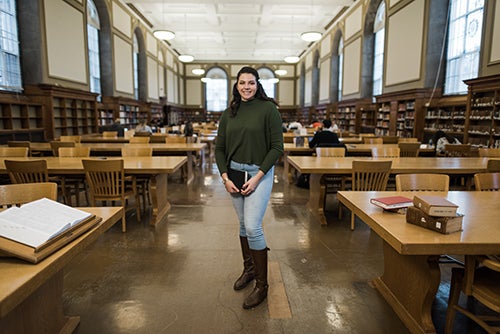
x: 268, y: 81
x: 378, y: 49
x: 93, y: 27
x: 136, y: 67
x: 216, y: 88
x: 10, y: 68
x: 464, y: 43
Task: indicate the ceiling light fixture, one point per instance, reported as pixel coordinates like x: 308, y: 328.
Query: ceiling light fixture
x: 186, y: 58
x: 311, y: 36
x: 205, y: 79
x: 291, y: 59
x: 165, y: 35
x: 198, y: 71
x: 274, y: 80
x: 280, y: 72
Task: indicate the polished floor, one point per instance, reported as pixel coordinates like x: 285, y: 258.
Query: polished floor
x: 178, y: 277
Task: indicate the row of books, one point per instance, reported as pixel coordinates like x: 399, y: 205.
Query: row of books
x: 432, y: 212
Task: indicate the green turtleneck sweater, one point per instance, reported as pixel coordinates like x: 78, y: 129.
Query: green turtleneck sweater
x: 253, y: 136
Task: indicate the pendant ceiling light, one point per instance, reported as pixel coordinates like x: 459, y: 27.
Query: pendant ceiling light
x: 291, y: 59
x: 280, y: 72
x: 185, y: 58
x: 311, y: 35
x: 198, y: 71
x: 164, y: 35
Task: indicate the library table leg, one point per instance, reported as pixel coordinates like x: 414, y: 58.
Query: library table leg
x: 159, y: 199
x: 409, y: 284
x: 317, y: 195
x: 191, y: 158
x: 41, y: 312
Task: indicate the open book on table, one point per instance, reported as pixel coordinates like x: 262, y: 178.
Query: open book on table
x: 36, y: 229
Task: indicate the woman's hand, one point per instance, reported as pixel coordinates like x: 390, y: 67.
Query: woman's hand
x: 252, y: 184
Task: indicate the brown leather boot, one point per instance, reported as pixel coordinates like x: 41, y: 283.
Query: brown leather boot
x: 248, y: 267
x: 259, y: 293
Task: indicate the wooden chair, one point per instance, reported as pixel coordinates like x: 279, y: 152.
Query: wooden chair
x: 489, y: 152
x: 369, y: 175
x: 31, y: 171
x: 107, y: 182
x: 422, y: 182
x: 407, y: 140
x: 493, y: 165
x: 139, y: 140
x: 457, y: 150
x: 77, y: 151
x: 372, y: 140
x: 480, y: 279
x: 20, y: 143
x: 386, y: 152
x: 390, y: 139
x: 331, y: 183
x: 74, y: 139
x: 175, y: 139
x: 55, y: 144
x: 409, y: 149
x: 487, y: 181
x: 110, y: 134
x: 74, y: 185
x: 17, y: 194
x: 14, y: 151
x: 142, y: 180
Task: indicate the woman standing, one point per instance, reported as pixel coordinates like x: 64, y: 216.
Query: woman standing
x: 250, y: 139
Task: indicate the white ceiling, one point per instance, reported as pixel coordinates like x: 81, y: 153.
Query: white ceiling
x: 253, y: 31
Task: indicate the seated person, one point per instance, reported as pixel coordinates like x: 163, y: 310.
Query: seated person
x: 441, y: 139
x: 325, y: 137
x: 142, y: 127
x: 116, y: 126
x: 295, y: 125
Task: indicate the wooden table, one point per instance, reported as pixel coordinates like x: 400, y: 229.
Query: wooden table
x: 411, y: 274
x: 31, y: 294
x: 157, y: 168
x: 352, y: 150
x: 103, y: 149
x: 317, y: 166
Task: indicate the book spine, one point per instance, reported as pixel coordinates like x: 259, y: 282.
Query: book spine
x: 432, y: 210
x: 443, y: 225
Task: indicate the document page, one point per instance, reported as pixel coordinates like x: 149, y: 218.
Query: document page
x: 39, y: 221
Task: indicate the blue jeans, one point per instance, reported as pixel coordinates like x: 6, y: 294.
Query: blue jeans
x: 251, y: 208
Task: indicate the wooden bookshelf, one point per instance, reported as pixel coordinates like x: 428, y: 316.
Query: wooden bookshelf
x: 445, y: 113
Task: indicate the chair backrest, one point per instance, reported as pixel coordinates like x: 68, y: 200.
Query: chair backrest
x: 487, y: 181
x: 175, y: 139
x: 390, y: 139
x: 409, y: 149
x: 14, y: 151
x: 141, y: 151
x: 370, y: 175
x: 372, y: 140
x: 139, y: 140
x: 385, y: 152
x: 407, y: 140
x: 20, y: 143
x: 17, y: 194
x: 330, y: 151
x: 74, y: 139
x: 422, y: 182
x: 54, y: 145
x: 493, y: 165
x: 110, y: 134
x: 489, y: 152
x: 78, y: 151
x: 105, y: 178
x: 32, y: 171
x: 457, y: 150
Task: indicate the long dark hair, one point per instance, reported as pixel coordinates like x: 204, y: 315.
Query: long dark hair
x: 259, y: 94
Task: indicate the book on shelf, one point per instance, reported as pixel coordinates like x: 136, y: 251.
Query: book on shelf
x: 36, y: 229
x: 443, y: 225
x: 392, y: 202
x: 435, y: 205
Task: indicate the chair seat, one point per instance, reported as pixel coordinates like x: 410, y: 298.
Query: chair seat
x: 486, y: 287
